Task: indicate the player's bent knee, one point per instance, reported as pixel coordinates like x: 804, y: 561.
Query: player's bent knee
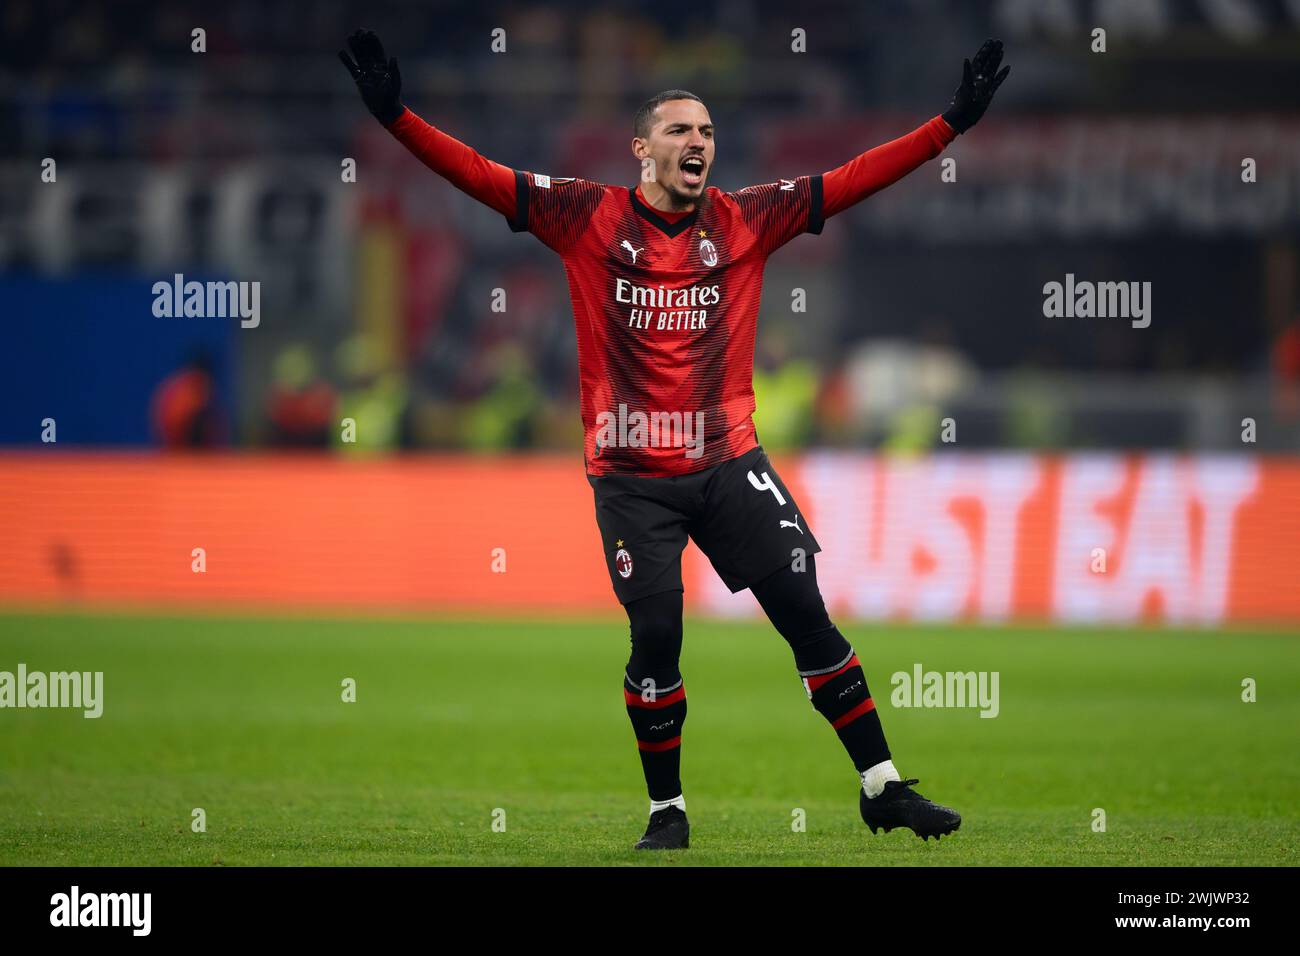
x: 794, y: 605
x: 656, y: 632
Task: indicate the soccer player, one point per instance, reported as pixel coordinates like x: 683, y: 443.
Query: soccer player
x: 665, y: 280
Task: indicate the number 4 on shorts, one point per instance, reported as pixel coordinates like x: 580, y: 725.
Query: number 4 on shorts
x: 766, y: 485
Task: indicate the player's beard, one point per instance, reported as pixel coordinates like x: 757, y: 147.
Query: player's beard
x: 681, y: 200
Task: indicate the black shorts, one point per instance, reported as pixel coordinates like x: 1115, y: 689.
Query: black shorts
x: 739, y: 513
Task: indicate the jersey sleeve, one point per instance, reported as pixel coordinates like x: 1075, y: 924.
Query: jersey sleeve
x: 555, y: 210
x: 777, y: 212
x: 877, y: 168
x: 490, y: 183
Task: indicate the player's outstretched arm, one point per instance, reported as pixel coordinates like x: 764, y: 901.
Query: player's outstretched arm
x: 877, y: 168
x: 380, y: 83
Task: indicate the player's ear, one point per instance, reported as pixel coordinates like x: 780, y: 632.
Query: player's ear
x: 639, y: 147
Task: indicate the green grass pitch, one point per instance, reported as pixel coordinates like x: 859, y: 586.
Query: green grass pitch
x: 243, y: 717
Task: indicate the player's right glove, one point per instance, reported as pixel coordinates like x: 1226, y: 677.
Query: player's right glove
x: 979, y: 82
x: 377, y: 77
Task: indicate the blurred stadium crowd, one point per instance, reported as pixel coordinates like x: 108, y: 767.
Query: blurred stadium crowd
x: 925, y: 302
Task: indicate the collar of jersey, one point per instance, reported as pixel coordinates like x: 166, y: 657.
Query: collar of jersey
x: 669, y: 229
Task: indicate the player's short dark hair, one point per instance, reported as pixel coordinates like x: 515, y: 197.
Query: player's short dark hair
x: 645, y: 115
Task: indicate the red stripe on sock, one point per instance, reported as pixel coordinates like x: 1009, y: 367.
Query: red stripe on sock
x: 634, y: 700
x: 815, y: 682
x: 657, y: 747
x: 854, y: 714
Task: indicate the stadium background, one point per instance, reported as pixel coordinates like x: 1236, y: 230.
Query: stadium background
x: 924, y: 304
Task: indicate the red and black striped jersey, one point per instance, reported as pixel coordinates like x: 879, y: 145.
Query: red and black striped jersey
x: 666, y: 311
x: 666, y: 305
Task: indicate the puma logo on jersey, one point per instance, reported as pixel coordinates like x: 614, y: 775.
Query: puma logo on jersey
x: 787, y: 185
x: 628, y: 246
x: 792, y: 524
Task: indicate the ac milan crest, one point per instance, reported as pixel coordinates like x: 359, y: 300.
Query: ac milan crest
x: 708, y: 253
x: 623, y: 563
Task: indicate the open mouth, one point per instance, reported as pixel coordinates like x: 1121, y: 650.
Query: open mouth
x: 692, y: 168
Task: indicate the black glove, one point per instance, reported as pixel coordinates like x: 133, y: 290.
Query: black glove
x: 377, y: 77
x: 978, y: 84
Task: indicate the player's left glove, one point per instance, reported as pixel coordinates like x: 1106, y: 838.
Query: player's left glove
x: 376, y: 76
x: 980, y: 80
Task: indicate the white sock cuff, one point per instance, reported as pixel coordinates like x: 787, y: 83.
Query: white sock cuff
x: 875, y: 778
x: 678, y: 801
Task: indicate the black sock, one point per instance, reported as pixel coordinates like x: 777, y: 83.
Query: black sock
x: 654, y: 691
x: 826, y: 663
x: 839, y: 692
x: 657, y: 719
